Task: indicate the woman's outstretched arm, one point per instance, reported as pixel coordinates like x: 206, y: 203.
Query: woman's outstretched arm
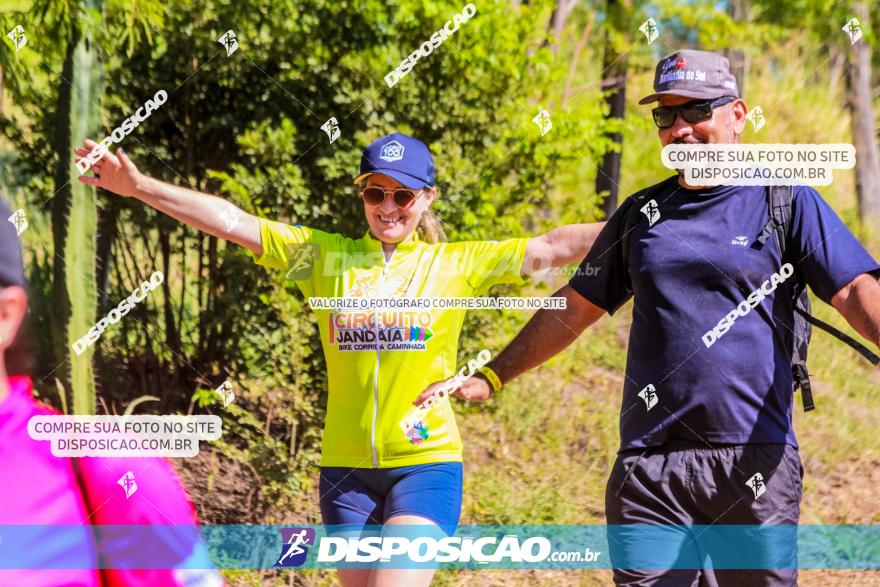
x: 561, y: 246
x: 209, y: 214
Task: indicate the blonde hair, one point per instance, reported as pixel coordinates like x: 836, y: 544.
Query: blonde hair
x: 430, y: 228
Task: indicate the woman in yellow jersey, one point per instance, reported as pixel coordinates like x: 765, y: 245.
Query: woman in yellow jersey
x: 382, y: 463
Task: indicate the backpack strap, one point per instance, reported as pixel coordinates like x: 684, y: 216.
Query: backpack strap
x: 779, y: 200
x: 856, y: 345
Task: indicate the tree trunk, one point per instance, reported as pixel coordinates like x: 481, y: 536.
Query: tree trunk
x: 585, y: 35
x: 557, y: 22
x: 614, y: 66
x: 864, y: 130
x: 739, y: 62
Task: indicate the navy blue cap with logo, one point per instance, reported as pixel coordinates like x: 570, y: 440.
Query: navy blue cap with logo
x: 11, y: 267
x: 400, y: 157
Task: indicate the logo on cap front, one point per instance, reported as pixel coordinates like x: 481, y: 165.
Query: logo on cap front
x: 392, y: 151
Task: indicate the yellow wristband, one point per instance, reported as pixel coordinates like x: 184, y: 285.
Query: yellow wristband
x: 493, y: 378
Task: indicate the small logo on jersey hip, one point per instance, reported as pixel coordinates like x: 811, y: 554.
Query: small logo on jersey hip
x: 417, y: 433
x: 391, y: 152
x: 649, y: 394
x: 740, y: 241
x: 652, y: 211
x: 294, y: 550
x: 756, y: 484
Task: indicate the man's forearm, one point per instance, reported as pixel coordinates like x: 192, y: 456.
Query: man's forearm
x: 548, y: 333
x: 204, y: 212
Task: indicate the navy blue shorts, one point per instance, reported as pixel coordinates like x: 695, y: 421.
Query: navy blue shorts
x: 362, y: 497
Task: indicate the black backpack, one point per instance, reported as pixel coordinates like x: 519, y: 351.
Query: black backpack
x: 779, y: 207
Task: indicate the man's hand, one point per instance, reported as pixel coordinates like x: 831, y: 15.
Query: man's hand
x: 474, y: 389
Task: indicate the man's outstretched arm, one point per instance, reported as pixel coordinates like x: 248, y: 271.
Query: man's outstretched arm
x: 548, y: 333
x: 859, y: 302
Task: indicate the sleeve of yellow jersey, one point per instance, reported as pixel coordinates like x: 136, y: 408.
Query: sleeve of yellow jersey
x: 298, y: 251
x: 489, y: 263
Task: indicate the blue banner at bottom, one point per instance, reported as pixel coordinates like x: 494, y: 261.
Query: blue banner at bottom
x: 471, y: 547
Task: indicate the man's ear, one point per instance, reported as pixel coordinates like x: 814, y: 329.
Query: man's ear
x: 738, y: 113
x: 13, y: 307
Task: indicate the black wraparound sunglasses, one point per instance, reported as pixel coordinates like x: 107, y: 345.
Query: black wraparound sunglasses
x: 692, y: 112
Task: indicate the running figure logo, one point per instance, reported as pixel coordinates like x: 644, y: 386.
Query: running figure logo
x: 649, y: 394
x: 230, y: 217
x: 19, y: 221
x: 128, y: 484
x: 225, y: 392
x: 756, y: 483
x: 300, y: 260
x: 294, y: 550
x: 853, y: 30
x: 542, y: 119
x: 756, y: 117
x: 649, y: 27
x: 652, y: 211
x: 17, y: 37
x: 229, y: 42
x: 331, y: 127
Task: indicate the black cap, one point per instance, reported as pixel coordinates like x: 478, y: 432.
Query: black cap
x: 11, y: 267
x: 693, y: 74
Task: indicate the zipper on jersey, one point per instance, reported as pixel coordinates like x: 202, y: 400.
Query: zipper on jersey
x: 378, y: 366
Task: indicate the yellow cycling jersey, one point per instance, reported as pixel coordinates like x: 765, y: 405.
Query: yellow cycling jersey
x: 380, y: 360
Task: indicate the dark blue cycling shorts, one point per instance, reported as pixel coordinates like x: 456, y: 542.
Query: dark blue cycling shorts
x: 362, y: 497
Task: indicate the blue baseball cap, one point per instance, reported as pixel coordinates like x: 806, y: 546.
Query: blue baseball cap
x: 400, y: 157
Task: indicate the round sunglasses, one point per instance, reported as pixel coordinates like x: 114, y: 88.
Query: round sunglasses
x: 692, y: 112
x: 403, y: 198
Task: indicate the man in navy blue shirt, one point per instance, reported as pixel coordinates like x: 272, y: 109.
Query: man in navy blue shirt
x: 706, y: 417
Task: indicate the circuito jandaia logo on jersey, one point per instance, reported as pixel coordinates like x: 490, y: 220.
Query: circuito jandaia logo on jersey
x: 384, y: 331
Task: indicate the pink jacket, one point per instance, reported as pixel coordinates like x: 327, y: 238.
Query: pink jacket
x: 41, y: 490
